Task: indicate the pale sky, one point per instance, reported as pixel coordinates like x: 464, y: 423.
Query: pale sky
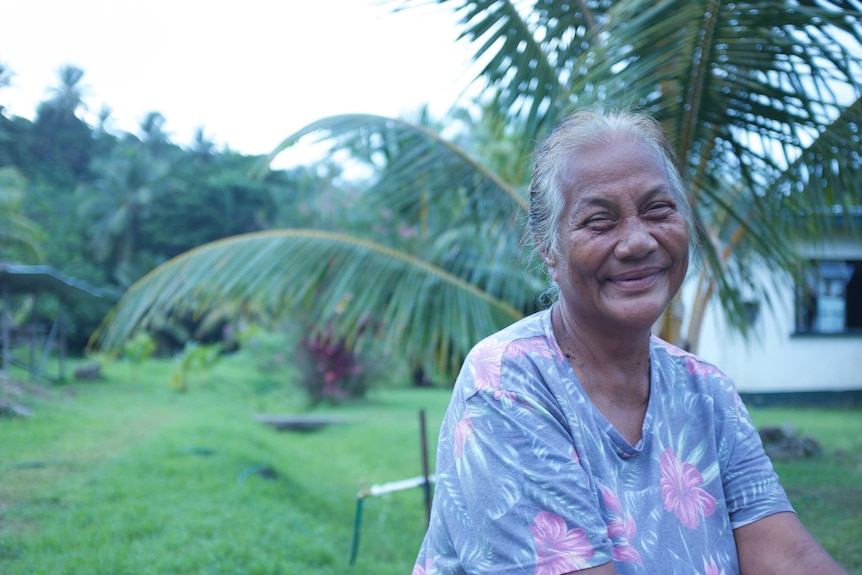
x: 249, y: 72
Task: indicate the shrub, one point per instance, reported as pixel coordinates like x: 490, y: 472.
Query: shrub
x: 331, y: 369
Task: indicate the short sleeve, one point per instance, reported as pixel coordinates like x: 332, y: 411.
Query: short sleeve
x: 750, y: 483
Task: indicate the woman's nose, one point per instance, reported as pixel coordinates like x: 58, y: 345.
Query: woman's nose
x: 635, y: 239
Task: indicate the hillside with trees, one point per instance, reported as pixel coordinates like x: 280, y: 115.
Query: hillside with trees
x: 106, y: 207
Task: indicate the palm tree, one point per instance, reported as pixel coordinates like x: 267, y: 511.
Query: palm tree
x: 751, y: 94
x: 59, y: 133
x: 67, y: 98
x: 127, y: 180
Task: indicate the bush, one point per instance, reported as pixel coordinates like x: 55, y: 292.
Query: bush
x: 325, y: 367
x: 331, y: 369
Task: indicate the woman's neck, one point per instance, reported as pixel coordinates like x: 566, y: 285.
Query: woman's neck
x: 602, y: 351
x: 614, y: 371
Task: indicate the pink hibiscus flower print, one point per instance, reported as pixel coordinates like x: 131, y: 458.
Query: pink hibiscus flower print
x: 462, y: 433
x: 486, y: 366
x: 558, y: 549
x: 681, y: 491
x: 696, y: 367
x: 621, y: 528
x: 711, y: 568
x: 532, y: 346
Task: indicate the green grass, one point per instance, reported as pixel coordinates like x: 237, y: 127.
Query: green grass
x: 826, y: 491
x: 124, y: 475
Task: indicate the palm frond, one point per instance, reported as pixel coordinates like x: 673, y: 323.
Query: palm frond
x: 410, y: 152
x: 742, y: 89
x: 432, y: 184
x: 530, y: 53
x: 429, y: 313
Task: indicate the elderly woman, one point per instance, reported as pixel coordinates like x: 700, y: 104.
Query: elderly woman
x: 576, y: 441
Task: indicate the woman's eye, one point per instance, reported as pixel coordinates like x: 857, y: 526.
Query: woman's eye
x: 599, y: 221
x: 660, y: 210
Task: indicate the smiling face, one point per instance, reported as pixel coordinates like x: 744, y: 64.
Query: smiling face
x: 624, y: 243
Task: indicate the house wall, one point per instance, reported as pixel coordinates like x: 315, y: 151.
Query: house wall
x: 775, y: 360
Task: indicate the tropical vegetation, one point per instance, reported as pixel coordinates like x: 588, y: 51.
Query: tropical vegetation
x: 392, y: 273
x: 760, y: 101
x: 104, y: 206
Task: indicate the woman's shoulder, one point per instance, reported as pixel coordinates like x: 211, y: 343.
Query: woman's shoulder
x: 514, y: 358
x: 675, y: 361
x: 673, y: 353
x: 687, y: 380
x: 532, y: 333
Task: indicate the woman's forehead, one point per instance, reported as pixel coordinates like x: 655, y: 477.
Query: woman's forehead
x: 611, y: 163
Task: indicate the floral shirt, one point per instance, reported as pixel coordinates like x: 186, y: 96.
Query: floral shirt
x: 533, y: 479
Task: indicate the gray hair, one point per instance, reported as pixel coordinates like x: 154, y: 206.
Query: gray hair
x: 581, y: 129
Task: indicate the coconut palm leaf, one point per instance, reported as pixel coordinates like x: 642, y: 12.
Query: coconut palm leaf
x: 433, y: 297
x: 757, y: 84
x: 530, y: 53
x: 472, y: 220
x: 419, y: 169
x: 743, y: 89
x: 415, y: 305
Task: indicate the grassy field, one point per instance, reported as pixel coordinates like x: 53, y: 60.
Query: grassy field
x: 125, y: 476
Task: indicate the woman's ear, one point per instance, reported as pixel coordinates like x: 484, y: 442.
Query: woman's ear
x: 549, y: 259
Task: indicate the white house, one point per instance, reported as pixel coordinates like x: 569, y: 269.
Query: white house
x: 808, y: 347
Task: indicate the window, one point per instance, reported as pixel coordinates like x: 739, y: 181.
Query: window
x: 829, y: 297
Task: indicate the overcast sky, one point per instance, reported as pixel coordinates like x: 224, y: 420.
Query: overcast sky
x: 248, y: 72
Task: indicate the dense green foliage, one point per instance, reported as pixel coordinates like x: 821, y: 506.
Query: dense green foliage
x: 106, y: 207
x: 123, y: 476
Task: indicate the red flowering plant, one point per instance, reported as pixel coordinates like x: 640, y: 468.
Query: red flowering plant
x: 331, y: 368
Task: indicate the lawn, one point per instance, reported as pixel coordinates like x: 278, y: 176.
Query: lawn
x: 125, y: 476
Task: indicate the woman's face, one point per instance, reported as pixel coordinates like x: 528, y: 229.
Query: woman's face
x: 624, y: 243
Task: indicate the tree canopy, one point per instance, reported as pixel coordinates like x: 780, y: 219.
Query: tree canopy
x: 107, y: 207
